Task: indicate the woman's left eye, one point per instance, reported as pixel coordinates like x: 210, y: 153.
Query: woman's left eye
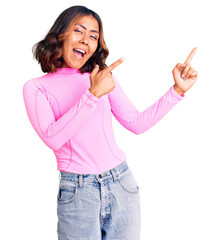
x: 94, y: 37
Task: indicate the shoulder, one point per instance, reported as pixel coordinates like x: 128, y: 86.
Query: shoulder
x: 36, y: 83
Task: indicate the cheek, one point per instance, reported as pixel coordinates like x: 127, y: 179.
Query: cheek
x: 93, y: 48
x: 66, y: 45
x: 71, y: 40
x: 75, y: 38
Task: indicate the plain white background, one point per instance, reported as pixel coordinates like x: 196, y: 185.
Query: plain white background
x: 176, y: 163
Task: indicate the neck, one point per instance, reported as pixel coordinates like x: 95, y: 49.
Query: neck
x: 67, y: 70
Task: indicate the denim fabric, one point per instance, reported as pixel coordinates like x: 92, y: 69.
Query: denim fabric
x: 99, y: 206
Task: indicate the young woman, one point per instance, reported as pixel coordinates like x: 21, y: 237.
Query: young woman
x: 70, y: 109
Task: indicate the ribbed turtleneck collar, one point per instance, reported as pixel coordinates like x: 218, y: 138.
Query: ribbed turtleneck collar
x: 67, y: 70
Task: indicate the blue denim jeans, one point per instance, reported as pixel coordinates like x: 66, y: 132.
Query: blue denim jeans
x: 99, y: 206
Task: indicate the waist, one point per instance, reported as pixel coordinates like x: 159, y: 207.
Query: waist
x: 89, y: 178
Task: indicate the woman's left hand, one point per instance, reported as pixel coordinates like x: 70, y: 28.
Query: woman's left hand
x: 184, y: 75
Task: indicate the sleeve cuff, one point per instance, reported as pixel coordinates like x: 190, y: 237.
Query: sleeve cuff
x: 176, y: 94
x: 91, y: 96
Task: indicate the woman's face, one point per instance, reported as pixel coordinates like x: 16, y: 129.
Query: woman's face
x: 84, y: 37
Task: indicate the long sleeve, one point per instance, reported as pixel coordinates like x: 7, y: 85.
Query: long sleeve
x: 133, y: 120
x: 55, y: 133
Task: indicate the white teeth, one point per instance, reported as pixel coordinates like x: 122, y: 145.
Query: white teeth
x: 80, y: 50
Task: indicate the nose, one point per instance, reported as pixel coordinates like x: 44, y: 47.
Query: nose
x: 84, y: 39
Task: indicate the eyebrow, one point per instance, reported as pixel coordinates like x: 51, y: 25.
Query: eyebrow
x: 86, y: 28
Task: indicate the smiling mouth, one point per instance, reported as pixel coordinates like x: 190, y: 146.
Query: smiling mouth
x: 78, y: 54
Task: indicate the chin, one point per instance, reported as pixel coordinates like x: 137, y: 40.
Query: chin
x: 78, y: 66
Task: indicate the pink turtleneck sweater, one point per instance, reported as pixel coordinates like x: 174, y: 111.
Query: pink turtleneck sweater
x: 77, y: 125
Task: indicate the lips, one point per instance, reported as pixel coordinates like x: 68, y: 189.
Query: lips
x: 79, y: 53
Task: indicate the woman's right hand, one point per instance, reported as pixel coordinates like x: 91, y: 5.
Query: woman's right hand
x: 102, y: 82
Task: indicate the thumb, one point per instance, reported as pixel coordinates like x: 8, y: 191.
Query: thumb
x: 95, y: 70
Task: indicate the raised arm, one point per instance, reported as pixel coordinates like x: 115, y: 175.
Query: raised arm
x: 55, y: 133
x: 138, y: 122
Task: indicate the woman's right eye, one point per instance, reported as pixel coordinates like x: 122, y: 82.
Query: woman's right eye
x: 77, y: 31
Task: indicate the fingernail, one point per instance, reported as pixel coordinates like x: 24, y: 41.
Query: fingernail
x: 122, y: 59
x: 183, y: 75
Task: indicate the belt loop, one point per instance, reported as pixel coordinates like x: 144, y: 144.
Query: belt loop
x: 115, y: 176
x: 80, y: 180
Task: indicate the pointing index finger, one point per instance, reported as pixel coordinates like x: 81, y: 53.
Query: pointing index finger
x: 115, y: 64
x: 190, y: 57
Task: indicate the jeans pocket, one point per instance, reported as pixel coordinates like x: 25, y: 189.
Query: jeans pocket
x: 67, y: 192
x: 128, y: 182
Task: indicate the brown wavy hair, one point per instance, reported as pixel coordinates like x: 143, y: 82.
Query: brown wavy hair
x: 49, y: 51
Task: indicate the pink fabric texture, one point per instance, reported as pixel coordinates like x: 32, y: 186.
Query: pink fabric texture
x: 77, y: 125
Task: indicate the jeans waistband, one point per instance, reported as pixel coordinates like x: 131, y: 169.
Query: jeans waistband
x: 112, y: 173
